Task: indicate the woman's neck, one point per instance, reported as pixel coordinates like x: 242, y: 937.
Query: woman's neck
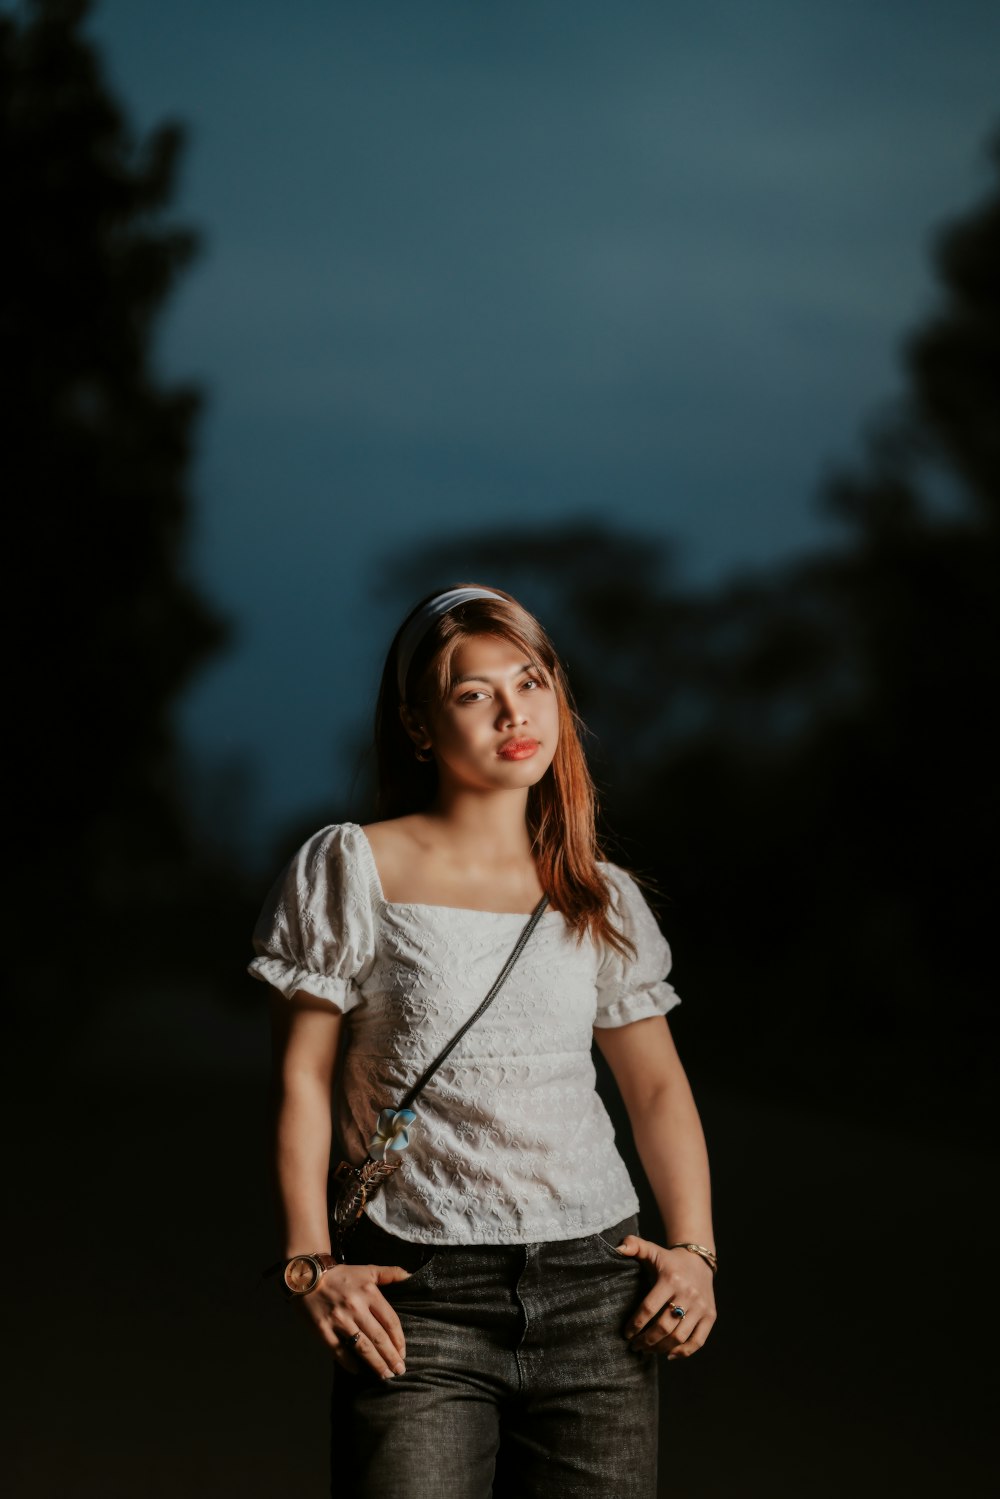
x: 497, y: 819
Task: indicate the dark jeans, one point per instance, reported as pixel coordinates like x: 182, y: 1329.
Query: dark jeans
x: 518, y: 1380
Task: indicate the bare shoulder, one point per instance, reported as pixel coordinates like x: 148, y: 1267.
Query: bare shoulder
x: 396, y: 841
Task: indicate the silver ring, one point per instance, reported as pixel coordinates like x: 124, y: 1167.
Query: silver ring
x: 355, y: 1338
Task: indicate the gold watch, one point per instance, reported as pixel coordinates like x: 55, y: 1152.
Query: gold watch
x: 303, y: 1272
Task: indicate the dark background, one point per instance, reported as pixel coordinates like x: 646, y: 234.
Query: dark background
x: 576, y: 304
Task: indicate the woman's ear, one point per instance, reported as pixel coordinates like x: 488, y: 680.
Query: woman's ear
x: 413, y: 726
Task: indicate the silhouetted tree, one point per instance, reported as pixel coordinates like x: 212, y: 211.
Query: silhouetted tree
x: 920, y: 611
x: 955, y: 360
x: 110, y: 626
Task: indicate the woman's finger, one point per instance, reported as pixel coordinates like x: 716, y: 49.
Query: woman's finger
x: 671, y: 1286
x: 347, y: 1359
x: 695, y: 1339
x: 661, y: 1326
x: 339, y: 1345
x: 679, y: 1340
x: 350, y: 1303
x: 637, y: 1248
x: 343, y: 1352
x: 341, y: 1338
x: 384, y: 1313
x: 666, y: 1333
x: 347, y: 1324
x: 652, y: 1304
x: 664, y: 1323
x: 375, y: 1344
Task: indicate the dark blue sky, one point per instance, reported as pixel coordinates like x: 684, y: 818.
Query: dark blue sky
x: 469, y: 265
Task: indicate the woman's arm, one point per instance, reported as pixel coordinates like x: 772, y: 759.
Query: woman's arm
x: 346, y: 1307
x: 305, y: 1035
x: 671, y: 1146
x: 665, y: 1124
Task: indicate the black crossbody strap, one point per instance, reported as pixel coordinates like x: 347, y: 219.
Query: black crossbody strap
x: 426, y: 1076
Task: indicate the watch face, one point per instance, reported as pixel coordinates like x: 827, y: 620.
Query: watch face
x: 300, y: 1275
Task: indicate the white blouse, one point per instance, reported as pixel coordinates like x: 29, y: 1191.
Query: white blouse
x: 511, y: 1143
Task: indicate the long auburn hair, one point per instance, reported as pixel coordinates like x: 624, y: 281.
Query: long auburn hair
x: 562, y: 806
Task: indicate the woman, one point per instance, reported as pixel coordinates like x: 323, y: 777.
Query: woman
x: 497, y: 1319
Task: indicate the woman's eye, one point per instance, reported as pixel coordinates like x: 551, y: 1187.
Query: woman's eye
x: 531, y: 682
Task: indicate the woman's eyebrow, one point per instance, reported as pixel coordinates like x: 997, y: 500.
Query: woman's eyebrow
x: 483, y: 676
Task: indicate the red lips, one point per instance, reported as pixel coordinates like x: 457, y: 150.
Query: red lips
x: 518, y: 749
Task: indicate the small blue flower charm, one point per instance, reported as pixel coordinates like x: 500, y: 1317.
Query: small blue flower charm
x: 391, y: 1132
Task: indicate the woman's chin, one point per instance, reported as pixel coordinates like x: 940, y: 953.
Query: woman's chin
x: 496, y: 774
x: 523, y: 772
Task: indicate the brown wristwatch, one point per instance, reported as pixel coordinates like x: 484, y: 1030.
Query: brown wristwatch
x: 303, y: 1272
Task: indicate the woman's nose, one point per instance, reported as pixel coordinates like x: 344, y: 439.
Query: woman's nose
x: 511, y: 712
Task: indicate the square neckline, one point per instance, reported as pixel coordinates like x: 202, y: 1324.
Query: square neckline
x: 413, y: 905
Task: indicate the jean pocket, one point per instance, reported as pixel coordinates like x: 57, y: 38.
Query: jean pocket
x: 608, y: 1238
x: 417, y: 1275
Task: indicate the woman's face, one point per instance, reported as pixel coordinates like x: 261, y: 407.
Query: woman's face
x: 498, y: 727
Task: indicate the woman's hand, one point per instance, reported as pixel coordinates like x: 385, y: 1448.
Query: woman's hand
x: 346, y: 1301
x: 683, y: 1278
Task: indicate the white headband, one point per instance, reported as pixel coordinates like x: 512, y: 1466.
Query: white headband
x: 421, y: 622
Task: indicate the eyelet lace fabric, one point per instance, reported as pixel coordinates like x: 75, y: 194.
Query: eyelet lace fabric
x: 511, y: 1143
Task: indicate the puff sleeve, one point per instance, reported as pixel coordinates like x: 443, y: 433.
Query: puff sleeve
x: 316, y: 929
x: 633, y: 989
